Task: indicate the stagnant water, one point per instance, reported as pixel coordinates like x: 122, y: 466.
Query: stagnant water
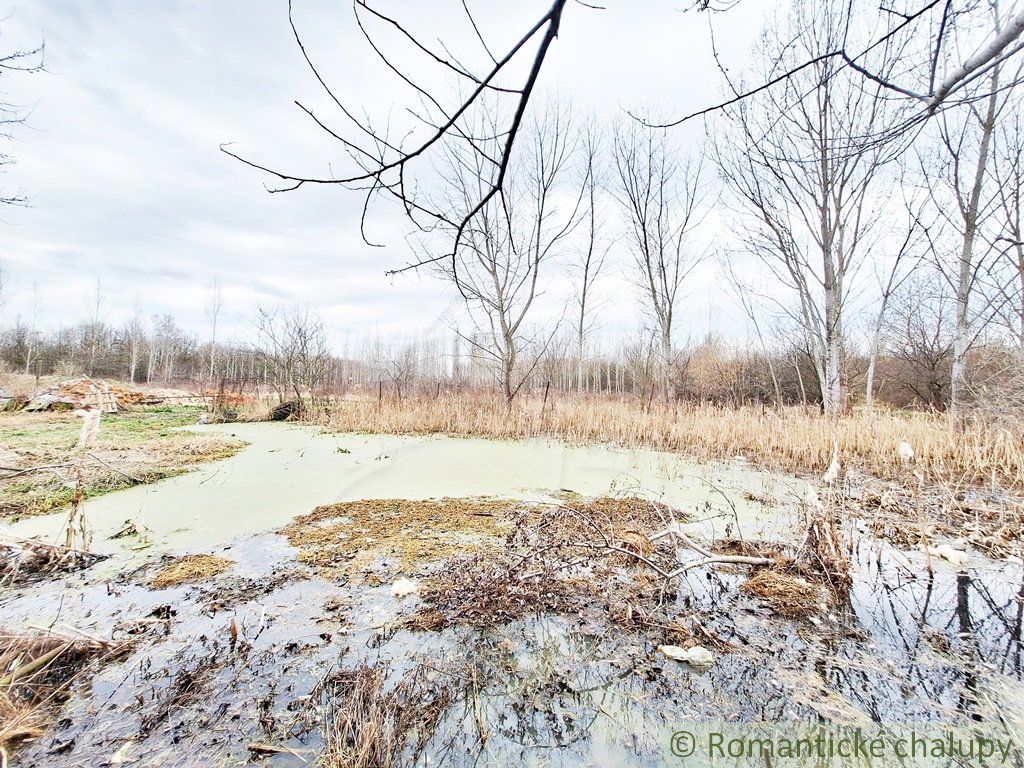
x: 909, y: 646
x: 288, y: 470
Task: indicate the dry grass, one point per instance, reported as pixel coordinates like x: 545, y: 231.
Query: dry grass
x: 412, y: 532
x: 36, y: 671
x: 372, y: 726
x: 188, y: 569
x: 792, y: 439
x: 788, y: 594
x: 408, y: 534
x: 908, y: 515
x: 25, y: 559
x: 483, y: 590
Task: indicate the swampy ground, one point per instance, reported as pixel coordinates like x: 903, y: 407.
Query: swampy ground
x: 368, y: 600
x: 132, y: 449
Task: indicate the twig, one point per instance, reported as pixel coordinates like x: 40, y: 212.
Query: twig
x: 134, y: 479
x: 258, y: 748
x: 16, y: 472
x: 721, y: 560
x: 36, y: 664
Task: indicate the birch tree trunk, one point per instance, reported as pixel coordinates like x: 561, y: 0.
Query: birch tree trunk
x: 966, y: 266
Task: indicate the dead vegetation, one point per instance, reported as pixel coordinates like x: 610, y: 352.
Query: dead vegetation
x: 36, y: 673
x: 822, y: 551
x: 351, y: 534
x: 25, y: 559
x: 490, y: 589
x: 188, y: 569
x: 370, y: 725
x: 40, y: 468
x: 191, y: 682
x: 628, y: 556
x: 790, y: 439
x: 911, y: 513
x: 788, y: 594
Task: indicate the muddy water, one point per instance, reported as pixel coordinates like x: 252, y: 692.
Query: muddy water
x: 287, y: 470
x: 908, y: 645
x: 549, y: 691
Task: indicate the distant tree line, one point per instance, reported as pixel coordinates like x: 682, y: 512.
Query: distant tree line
x: 289, y: 355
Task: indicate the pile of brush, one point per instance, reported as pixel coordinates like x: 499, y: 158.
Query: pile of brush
x: 823, y: 548
x: 23, y: 559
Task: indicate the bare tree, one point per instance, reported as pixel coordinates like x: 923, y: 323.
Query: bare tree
x: 136, y: 340
x: 967, y: 182
x: 804, y: 167
x: 592, y: 255
x: 31, y: 337
x: 169, y: 347
x: 919, y: 337
x: 399, y: 364
x: 23, y: 61
x: 500, y: 259
x: 643, y: 362
x: 895, y: 262
x: 383, y: 159
x: 662, y: 200
x: 960, y: 180
x: 95, y: 326
x: 746, y: 296
x: 213, y: 310
x: 292, y: 345
x: 1009, y: 238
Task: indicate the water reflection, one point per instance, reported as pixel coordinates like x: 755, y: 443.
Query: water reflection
x: 908, y: 644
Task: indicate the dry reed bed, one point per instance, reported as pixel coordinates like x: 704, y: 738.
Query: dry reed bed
x: 370, y: 725
x: 36, y: 672
x: 792, y: 439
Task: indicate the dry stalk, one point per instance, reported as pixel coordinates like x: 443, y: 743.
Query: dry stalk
x: 36, y: 671
x: 25, y: 558
x: 371, y: 726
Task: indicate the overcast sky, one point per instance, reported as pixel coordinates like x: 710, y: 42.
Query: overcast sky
x: 127, y: 184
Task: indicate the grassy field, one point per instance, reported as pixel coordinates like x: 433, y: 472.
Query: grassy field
x: 132, y: 448
x: 791, y: 439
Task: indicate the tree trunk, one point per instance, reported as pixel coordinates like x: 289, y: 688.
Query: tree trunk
x: 965, y: 276
x: 869, y: 387
x: 666, y: 366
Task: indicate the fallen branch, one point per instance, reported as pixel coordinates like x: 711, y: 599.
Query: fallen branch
x: 34, y: 665
x: 133, y: 478
x: 606, y: 545
x: 33, y: 556
x: 258, y: 748
x: 721, y: 560
x: 18, y: 471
